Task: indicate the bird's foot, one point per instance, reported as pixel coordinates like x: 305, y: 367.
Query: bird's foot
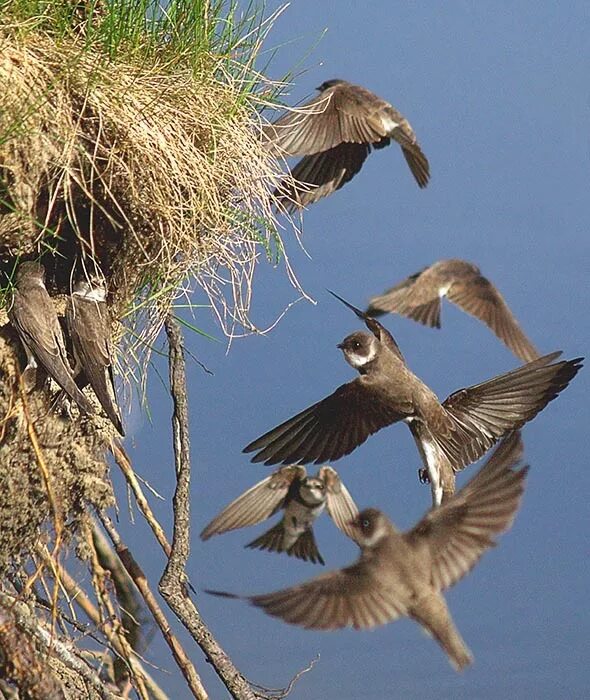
x: 423, y: 476
x: 61, y: 405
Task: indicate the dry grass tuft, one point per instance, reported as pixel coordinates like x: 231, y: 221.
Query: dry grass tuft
x: 154, y: 173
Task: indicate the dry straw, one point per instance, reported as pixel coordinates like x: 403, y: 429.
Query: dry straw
x: 155, y: 171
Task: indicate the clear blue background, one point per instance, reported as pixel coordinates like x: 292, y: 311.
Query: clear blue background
x: 499, y: 95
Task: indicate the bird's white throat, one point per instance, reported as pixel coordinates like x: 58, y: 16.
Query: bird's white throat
x: 357, y: 360
x: 376, y: 537
x: 93, y: 294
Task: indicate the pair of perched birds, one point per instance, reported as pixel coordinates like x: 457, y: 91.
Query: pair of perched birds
x: 33, y: 315
x: 397, y: 574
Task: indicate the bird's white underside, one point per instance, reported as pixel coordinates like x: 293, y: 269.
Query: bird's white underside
x: 431, y: 454
x: 299, y: 518
x: 442, y: 291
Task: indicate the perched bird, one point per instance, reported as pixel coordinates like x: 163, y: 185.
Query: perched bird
x: 89, y: 328
x: 34, y: 317
x: 335, y: 133
x: 403, y: 574
x: 449, y: 435
x: 302, y: 498
x: 419, y: 297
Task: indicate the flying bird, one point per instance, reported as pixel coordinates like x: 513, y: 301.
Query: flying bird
x: 89, y: 328
x: 404, y: 573
x: 449, y: 435
x: 302, y: 499
x: 335, y: 132
x: 419, y: 297
x: 34, y: 317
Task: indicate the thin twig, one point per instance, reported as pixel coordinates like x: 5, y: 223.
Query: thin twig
x: 53, y: 503
x: 124, y: 463
x: 99, y: 575
x: 172, y: 583
x: 280, y: 693
x: 117, y: 642
x: 140, y: 580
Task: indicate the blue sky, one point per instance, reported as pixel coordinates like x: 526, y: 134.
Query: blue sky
x: 499, y: 97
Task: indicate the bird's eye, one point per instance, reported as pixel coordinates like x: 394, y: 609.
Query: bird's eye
x: 365, y: 523
x: 356, y: 345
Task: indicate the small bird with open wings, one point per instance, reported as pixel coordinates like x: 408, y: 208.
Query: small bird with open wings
x: 302, y: 499
x: 405, y: 573
x: 449, y: 435
x: 419, y: 297
x: 335, y: 132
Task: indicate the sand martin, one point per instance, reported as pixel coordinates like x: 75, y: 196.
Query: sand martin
x: 335, y: 133
x: 404, y: 573
x: 89, y: 327
x: 419, y: 297
x: 302, y: 499
x: 449, y: 435
x: 34, y: 317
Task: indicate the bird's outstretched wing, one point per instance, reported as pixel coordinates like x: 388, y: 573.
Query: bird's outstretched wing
x: 456, y: 534
x: 257, y: 503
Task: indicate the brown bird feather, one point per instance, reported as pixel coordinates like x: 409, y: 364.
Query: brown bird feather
x: 419, y: 297
x: 404, y: 574
x: 89, y: 327
x: 34, y: 317
x: 449, y: 435
x: 335, y: 132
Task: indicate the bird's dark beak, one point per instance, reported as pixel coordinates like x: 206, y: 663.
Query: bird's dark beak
x: 340, y: 345
x: 354, y: 522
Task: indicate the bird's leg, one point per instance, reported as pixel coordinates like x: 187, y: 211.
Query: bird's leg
x: 423, y: 476
x: 62, y: 404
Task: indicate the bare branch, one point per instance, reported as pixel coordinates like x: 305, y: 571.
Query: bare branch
x: 22, y: 664
x: 140, y: 580
x: 108, y: 629
x: 172, y: 583
x: 129, y: 629
x: 124, y: 463
x: 263, y: 693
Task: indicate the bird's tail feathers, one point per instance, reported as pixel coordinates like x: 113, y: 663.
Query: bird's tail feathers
x: 271, y: 541
x: 276, y: 540
x: 306, y: 548
x: 223, y: 594
x: 432, y: 613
